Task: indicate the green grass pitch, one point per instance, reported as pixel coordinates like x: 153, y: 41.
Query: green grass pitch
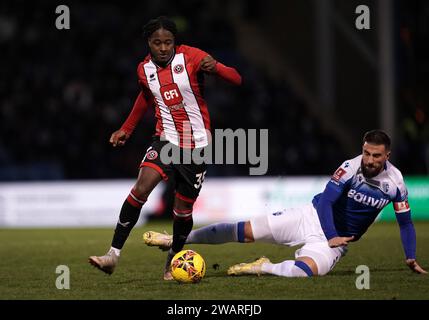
x: 29, y: 258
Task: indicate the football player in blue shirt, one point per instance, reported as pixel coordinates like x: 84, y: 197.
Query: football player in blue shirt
x: 356, y: 193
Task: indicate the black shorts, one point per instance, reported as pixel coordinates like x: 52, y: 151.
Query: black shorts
x: 188, y: 177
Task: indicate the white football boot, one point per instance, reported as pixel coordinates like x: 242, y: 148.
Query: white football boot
x: 167, y: 274
x: 106, y: 263
x: 161, y: 240
x: 254, y: 267
x: 167, y: 269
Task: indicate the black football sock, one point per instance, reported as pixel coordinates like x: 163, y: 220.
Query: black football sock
x: 128, y: 218
x: 170, y: 256
x: 181, y: 230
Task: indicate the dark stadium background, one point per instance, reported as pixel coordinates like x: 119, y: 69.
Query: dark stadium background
x: 63, y: 92
x: 309, y: 76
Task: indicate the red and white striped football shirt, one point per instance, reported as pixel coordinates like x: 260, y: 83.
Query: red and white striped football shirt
x: 176, y: 90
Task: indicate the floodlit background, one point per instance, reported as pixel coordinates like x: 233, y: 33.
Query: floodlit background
x: 309, y: 76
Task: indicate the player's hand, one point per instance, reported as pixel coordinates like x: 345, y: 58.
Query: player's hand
x: 208, y: 64
x: 413, y: 265
x: 339, y: 241
x: 119, y: 138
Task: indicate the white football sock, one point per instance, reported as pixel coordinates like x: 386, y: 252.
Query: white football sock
x: 116, y: 251
x: 214, y: 234
x: 284, y: 269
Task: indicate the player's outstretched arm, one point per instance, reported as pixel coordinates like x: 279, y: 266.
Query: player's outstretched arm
x: 210, y: 65
x: 324, y: 210
x: 339, y: 241
x: 119, y: 137
x: 408, y: 237
x: 413, y: 265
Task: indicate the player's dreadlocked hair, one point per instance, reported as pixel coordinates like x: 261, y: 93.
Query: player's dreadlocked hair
x: 158, y: 23
x: 377, y: 137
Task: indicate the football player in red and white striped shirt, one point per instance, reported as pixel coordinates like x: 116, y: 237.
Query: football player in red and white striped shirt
x: 171, y: 79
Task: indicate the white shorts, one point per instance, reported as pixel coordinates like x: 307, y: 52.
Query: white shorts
x: 299, y: 226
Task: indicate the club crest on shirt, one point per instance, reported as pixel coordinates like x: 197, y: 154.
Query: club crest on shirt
x: 178, y: 68
x: 152, y: 155
x: 385, y: 187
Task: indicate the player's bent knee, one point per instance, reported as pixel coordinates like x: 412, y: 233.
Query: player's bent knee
x: 142, y: 191
x: 182, y: 205
x: 308, y: 265
x: 147, y: 180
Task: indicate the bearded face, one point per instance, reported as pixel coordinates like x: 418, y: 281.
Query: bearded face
x: 374, y: 158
